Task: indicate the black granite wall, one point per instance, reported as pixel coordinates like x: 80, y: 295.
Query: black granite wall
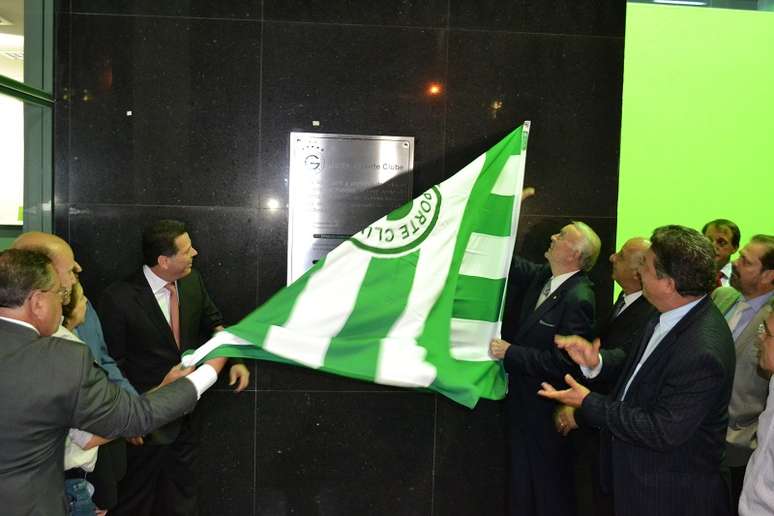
x: 183, y: 108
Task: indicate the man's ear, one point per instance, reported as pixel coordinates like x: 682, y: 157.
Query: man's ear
x: 578, y: 258
x: 767, y: 277
x: 671, y: 286
x: 162, y: 261
x: 36, y: 305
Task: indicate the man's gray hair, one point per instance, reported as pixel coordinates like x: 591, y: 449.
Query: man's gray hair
x: 21, y: 272
x: 590, y: 246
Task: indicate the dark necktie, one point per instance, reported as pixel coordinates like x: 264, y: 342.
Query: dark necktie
x: 650, y: 327
x: 619, y: 305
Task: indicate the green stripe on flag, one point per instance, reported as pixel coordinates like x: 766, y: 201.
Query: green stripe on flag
x: 478, y: 298
x: 496, y: 216
x: 275, y: 312
x: 487, y: 381
x: 375, y: 307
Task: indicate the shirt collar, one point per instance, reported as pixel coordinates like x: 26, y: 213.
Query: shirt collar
x: 757, y: 303
x: 669, y: 319
x: 556, y: 281
x: 20, y: 323
x: 726, y: 270
x: 156, y: 284
x: 631, y: 298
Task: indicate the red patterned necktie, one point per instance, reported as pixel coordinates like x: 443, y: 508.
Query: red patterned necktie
x: 174, y: 312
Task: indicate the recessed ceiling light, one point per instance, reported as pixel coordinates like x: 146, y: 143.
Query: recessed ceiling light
x: 679, y: 2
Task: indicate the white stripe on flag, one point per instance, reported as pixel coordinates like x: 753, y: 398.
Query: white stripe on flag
x: 508, y: 182
x: 317, y: 316
x: 401, y: 360
x: 470, y: 339
x: 219, y: 339
x: 486, y: 256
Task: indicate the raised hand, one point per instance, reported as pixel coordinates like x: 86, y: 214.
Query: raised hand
x: 580, y: 350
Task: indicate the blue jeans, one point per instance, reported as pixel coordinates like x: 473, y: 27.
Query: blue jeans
x: 78, y: 492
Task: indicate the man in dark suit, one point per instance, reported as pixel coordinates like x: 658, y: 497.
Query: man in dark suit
x: 543, y: 301
x: 623, y: 326
x: 51, y: 384
x: 149, y: 320
x: 665, y: 420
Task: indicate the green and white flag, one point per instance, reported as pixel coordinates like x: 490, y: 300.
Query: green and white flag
x: 413, y: 299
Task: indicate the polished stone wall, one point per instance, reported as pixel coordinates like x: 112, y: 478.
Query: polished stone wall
x: 183, y: 108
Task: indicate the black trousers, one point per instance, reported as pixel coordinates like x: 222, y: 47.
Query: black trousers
x: 109, y: 470
x: 160, y: 478
x: 541, y: 477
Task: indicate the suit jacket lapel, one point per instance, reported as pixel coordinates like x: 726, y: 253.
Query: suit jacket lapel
x: 669, y: 339
x: 149, y: 305
x: 750, y: 334
x: 530, y: 299
x: 534, y: 315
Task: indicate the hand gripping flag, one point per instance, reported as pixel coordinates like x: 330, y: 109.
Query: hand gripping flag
x: 413, y: 299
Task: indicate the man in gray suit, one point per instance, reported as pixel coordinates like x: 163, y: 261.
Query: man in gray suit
x: 50, y: 385
x: 745, y: 307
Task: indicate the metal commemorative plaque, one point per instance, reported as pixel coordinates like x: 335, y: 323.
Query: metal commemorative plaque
x: 338, y: 185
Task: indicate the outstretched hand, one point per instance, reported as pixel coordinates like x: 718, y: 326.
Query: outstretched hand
x: 176, y: 372
x: 581, y: 351
x: 573, y: 396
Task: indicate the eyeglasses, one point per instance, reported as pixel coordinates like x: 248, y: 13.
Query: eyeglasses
x: 763, y: 330
x: 61, y: 292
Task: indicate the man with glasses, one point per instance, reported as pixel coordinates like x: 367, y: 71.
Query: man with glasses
x: 758, y: 491
x: 50, y: 385
x: 745, y: 307
x: 111, y: 459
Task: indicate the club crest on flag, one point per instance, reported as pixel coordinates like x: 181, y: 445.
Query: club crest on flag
x: 403, y: 229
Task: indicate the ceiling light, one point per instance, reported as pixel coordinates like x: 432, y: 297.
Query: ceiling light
x: 679, y: 2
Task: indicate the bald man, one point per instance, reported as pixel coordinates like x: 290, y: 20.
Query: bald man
x: 60, y: 253
x: 67, y: 268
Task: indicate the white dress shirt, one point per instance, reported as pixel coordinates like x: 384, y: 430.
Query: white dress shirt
x: 725, y: 272
x: 555, y: 283
x: 629, y: 299
x: 158, y: 287
x: 757, y: 496
x: 666, y: 322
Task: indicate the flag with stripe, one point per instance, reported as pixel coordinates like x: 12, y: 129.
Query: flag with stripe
x: 413, y: 299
